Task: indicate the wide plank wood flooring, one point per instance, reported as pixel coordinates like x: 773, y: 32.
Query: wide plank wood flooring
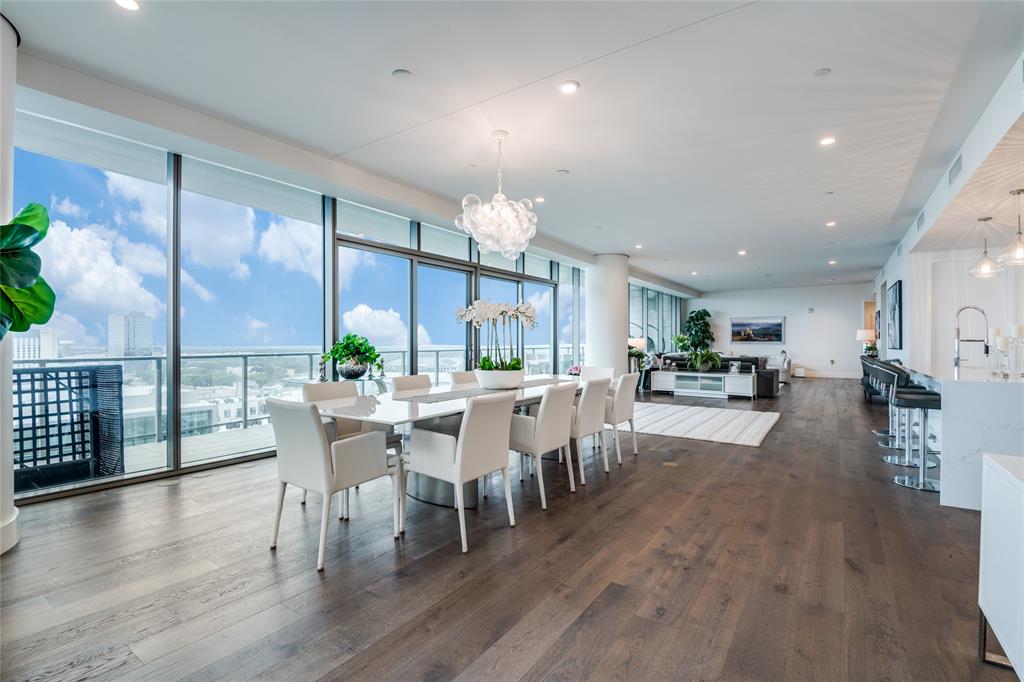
x: 797, y: 560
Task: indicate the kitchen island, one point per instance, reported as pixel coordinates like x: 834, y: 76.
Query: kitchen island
x: 977, y: 416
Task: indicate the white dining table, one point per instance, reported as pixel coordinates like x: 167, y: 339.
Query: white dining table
x: 400, y: 408
x: 408, y: 407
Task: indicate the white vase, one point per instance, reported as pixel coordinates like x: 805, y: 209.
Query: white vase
x: 499, y: 379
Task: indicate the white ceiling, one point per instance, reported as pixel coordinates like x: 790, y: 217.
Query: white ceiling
x: 986, y: 194
x: 695, y: 132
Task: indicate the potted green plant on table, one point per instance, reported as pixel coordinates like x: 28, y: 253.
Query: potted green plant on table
x: 25, y: 297
x: 499, y: 368
x: 704, y: 359
x: 352, y: 355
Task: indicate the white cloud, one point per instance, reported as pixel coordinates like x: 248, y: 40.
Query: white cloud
x: 80, y: 265
x: 150, y: 199
x: 384, y: 328
x: 349, y: 261
x: 217, y: 234
x: 256, y: 328
x: 423, y: 336
x: 66, y: 207
x: 68, y: 328
x: 190, y: 283
x: 143, y: 258
x: 541, y: 300
x: 294, y: 244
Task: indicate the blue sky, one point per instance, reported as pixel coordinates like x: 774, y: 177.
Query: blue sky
x: 250, y: 278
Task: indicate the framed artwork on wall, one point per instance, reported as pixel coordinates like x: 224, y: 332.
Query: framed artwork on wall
x: 757, y: 329
x: 894, y: 316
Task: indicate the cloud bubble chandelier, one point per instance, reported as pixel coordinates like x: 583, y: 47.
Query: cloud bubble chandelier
x: 499, y: 225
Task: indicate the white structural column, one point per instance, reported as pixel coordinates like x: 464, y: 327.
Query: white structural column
x: 8, y: 79
x: 607, y: 312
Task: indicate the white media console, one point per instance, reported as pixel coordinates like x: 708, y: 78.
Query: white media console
x: 705, y: 384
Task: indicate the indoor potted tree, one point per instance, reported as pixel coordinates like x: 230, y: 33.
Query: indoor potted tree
x: 25, y: 297
x: 499, y: 368
x: 352, y: 355
x: 696, y: 341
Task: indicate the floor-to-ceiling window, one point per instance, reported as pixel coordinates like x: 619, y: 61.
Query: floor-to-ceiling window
x: 251, y: 306
x: 499, y: 290
x: 654, y: 316
x: 537, y: 357
x: 636, y: 311
x: 440, y: 341
x: 90, y: 385
x: 373, y: 301
x: 248, y: 323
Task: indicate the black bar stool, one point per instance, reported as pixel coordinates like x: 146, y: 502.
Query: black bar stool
x: 923, y: 401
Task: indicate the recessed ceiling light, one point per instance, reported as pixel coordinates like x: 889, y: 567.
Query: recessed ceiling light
x: 830, y: 223
x: 742, y: 252
x: 827, y: 141
x: 832, y: 262
x: 130, y: 5
x: 694, y: 273
x: 569, y: 87
x: 823, y: 71
x: 538, y: 200
x: 402, y: 74
x: 638, y: 246
x: 562, y: 171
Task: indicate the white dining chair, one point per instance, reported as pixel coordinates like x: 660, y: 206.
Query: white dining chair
x: 481, y: 448
x: 342, y: 427
x: 464, y: 378
x: 588, y: 420
x: 591, y: 373
x: 411, y: 382
x: 549, y: 431
x: 306, y: 459
x: 618, y: 408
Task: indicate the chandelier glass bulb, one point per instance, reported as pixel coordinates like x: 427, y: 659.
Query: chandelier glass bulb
x: 500, y: 225
x: 1014, y: 254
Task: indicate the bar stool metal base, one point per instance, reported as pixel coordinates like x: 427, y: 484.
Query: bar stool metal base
x: 901, y: 461
x: 931, y: 485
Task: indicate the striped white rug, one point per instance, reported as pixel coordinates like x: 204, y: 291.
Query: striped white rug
x: 739, y: 427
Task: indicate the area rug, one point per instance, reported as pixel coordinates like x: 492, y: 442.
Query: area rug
x: 717, y: 424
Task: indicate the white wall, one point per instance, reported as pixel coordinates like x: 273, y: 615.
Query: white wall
x: 999, y: 116
x: 823, y: 342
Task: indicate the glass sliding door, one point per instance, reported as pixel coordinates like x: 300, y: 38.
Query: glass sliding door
x: 537, y: 341
x: 89, y: 386
x: 373, y: 301
x: 653, y: 324
x: 565, y: 318
x: 498, y: 290
x: 440, y: 341
x: 251, y: 306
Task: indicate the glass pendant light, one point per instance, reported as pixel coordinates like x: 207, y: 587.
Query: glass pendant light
x: 986, y: 267
x: 1014, y: 254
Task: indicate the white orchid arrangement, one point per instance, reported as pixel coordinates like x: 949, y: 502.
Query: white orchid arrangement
x: 499, y: 319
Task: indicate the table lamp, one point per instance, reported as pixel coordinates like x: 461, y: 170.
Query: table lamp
x: 867, y: 336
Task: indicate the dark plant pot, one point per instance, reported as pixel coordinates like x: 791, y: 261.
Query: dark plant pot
x: 350, y: 369
x: 705, y: 366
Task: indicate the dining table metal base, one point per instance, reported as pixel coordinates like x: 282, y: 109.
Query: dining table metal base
x: 442, y: 493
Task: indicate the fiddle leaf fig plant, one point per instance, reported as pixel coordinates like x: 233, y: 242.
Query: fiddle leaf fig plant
x: 697, y: 330
x: 25, y: 297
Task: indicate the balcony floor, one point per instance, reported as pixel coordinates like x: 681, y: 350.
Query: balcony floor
x: 201, y: 448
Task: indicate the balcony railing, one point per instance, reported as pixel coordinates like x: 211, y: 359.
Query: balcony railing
x: 224, y: 394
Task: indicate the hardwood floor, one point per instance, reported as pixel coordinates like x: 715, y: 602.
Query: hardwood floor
x: 796, y: 560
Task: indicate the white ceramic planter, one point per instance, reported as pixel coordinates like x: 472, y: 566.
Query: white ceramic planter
x: 499, y: 379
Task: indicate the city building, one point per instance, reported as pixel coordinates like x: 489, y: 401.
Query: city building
x: 129, y: 335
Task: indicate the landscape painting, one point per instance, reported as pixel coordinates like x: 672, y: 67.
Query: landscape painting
x: 758, y: 329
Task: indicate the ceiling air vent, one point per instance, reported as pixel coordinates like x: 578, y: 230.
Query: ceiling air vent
x: 955, y: 169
